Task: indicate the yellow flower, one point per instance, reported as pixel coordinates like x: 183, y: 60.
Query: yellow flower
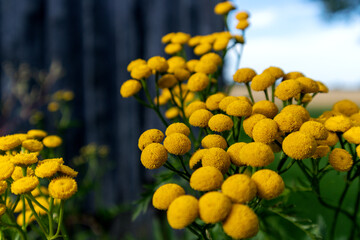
x: 3, y: 186
x: 167, y: 38
x: 21, y: 136
x: 242, y: 15
x: 192, y: 107
x: 214, y: 140
x: 321, y: 151
x: 206, y: 178
x: 315, y: 129
x: 243, y: 24
x: 135, y: 63
x: 129, y: 88
x: 213, y: 58
x: 58, y: 160
x: 24, y: 185
x: 214, y: 207
x: 239, y: 108
x: 341, y: 160
x: 220, y: 123
x: 6, y: 169
x: 266, y: 108
x: 339, y: 123
x: 223, y: 8
x: 52, y: 141
x: 24, y: 159
x: 224, y: 103
x: 47, y: 169
x: 202, y: 49
x: 265, y: 131
x: 167, y: 81
x: 172, y: 113
x: 196, y: 158
x: 191, y: 64
x: 275, y: 71
x: 177, y: 128
x: 140, y: 72
x: 180, y: 37
x: 212, y: 102
x: 177, y: 144
x: 355, y: 119
x: 244, y: 75
x: 358, y: 151
x: 346, y: 107
x: 165, y: 194
x: 249, y: 123
x: 233, y: 152
x: 198, y: 82
x: 262, y: 81
x: 40, y: 191
x: 183, y: 211
x: 62, y: 187
x: 181, y: 74
x: 239, y: 188
x: 239, y: 39
x: 256, y: 154
x: 241, y: 222
x: 194, y: 41
x: 158, y: 64
x: 221, y: 43
x: 68, y: 95
x: 299, y: 145
x: 298, y: 111
x: 293, y: 75
x: 326, y: 115
x: 309, y: 85
x: 2, y: 209
x: 200, y: 118
x: 322, y: 87
x: 53, y: 106
x: 288, y: 89
x: 9, y: 142
x: 29, y: 217
x: 173, y: 48
x: 217, y: 157
x: 205, y: 67
x: 17, y: 173
x: 68, y: 171
x: 153, y: 156
x: 150, y: 136
x: 288, y: 122
x: 352, y: 135
x: 269, y: 184
x: 33, y: 145
x: 36, y: 133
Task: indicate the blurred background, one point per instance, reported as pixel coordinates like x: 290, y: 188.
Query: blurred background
x: 52, y: 48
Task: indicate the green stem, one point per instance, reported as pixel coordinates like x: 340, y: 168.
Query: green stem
x: 61, y: 216
x: 141, y: 101
x: 17, y: 227
x: 354, y: 217
x: 50, y: 217
x: 172, y: 168
x: 239, y: 129
x: 266, y: 94
x: 273, y: 92
x: 287, y: 167
x: 250, y: 92
x: 38, y: 219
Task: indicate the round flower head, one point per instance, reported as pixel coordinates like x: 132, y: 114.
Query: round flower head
x: 135, y: 63
x: 68, y: 171
x: 299, y: 145
x: 241, y: 222
x: 150, y: 136
x: 275, y: 71
x: 288, y: 122
x: 214, y: 207
x: 293, y: 75
x: 211, y: 58
x: 167, y: 81
x: 165, y: 194
x: 200, y: 118
x: 239, y: 39
x: 29, y: 217
x: 214, y: 140
x: 315, y: 129
x: 202, y: 49
x: 177, y: 128
x: 249, y: 123
x: 233, y: 152
x: 47, y: 169
x: 339, y: 123
x: 196, y: 158
x: 17, y: 173
x: 212, y: 102
x: 6, y: 169
x: 177, y: 144
x: 256, y: 154
x: 242, y: 15
x: 191, y: 64
x: 192, y: 107
x: 140, y: 72
x: 9, y: 142
x: 59, y: 160
x: 298, y: 111
x: 52, y: 141
x: 220, y: 123
x: 62, y: 187
x: 172, y: 113
x: 153, y: 156
x: 24, y: 159
x: 239, y: 108
x: 321, y: 151
x: 306, y: 98
x: 3, y: 186
x: 180, y: 37
x: 288, y: 89
x: 176, y: 62
x: 239, y: 188
x: 224, y: 103
x: 206, y: 178
x: 181, y: 74
x: 308, y: 85
x: 158, y: 64
x: 269, y: 184
x: 173, y: 48
x: 346, y: 107
x: 24, y: 185
x: 223, y: 8
x: 266, y: 108
x: 322, y: 87
x: 205, y: 67
x: 262, y: 81
x: 162, y: 100
x: 340, y: 159
x: 352, y: 135
x: 243, y: 24
x: 265, y: 131
x: 183, y: 211
x: 331, y: 140
x: 2, y: 209
x: 217, y: 157
x: 129, y: 88
x: 355, y: 119
x: 221, y: 43
x: 198, y: 82
x: 32, y: 145
x: 244, y: 75
x: 194, y: 41
x: 36, y: 133
x: 22, y: 136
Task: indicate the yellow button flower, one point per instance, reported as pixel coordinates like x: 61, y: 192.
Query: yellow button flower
x: 346, y: 107
x: 213, y: 58
x: 53, y: 106
x: 177, y: 128
x: 47, y: 169
x: 140, y: 72
x: 220, y: 123
x: 24, y: 159
x: 17, y: 173
x: 239, y: 188
x: 315, y: 129
x: 173, y: 48
x: 244, y: 75
x: 212, y: 102
x: 358, y: 151
x: 192, y: 107
x: 288, y: 122
x: 191, y: 64
x: 36, y: 133
x: 135, y: 63
x: 239, y: 108
x: 2, y: 209
x: 214, y: 207
x: 172, y: 113
x: 3, y: 186
x: 206, y: 178
x: 221, y: 43
x: 196, y: 158
x: 269, y: 184
x: 223, y: 8
x: 339, y: 123
x: 68, y: 171
x: 249, y: 123
x: 167, y: 81
x: 181, y: 74
x: 150, y: 136
x: 183, y: 211
x: 205, y: 67
x: 180, y: 37
x: 242, y: 15
x: 62, y: 188
x: 194, y: 41
x: 243, y: 24
x: 352, y: 135
x: 32, y: 145
x: 9, y: 142
x: 266, y: 108
x: 22, y: 136
x: 52, y: 141
x: 275, y: 71
x: 321, y: 151
x: 293, y: 75
x: 298, y: 111
x: 214, y: 140
x: 6, y: 169
x: 130, y: 88
x: 200, y: 118
x: 288, y: 89
x: 202, y: 48
x: 262, y: 81
x: 198, y: 82
x: 224, y: 103
x: 233, y: 152
x: 158, y: 64
x: 165, y: 194
x: 265, y: 131
x: 153, y: 156
x: 341, y: 160
x: 256, y: 154
x: 24, y: 185
x: 217, y: 157
x: 299, y: 145
x: 177, y: 144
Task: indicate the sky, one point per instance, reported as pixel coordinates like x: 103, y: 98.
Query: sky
x: 295, y: 36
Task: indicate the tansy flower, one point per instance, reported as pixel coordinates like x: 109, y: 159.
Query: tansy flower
x: 52, y: 141
x: 206, y: 178
x: 191, y: 64
x: 183, y: 211
x: 213, y: 58
x: 239, y: 39
x: 32, y: 145
x: 269, y: 184
x: 24, y: 159
x: 221, y: 43
x: 150, y: 136
x: 21, y: 136
x: 326, y: 115
x: 256, y: 154
x: 358, y: 151
x: 62, y: 187
x: 243, y: 24
x: 130, y: 88
x: 165, y: 194
x: 223, y: 8
x: 177, y: 128
x: 200, y: 118
x: 9, y: 142
x: 214, y: 140
x: 241, y: 222
x: 173, y: 48
x: 135, y: 63
x: 24, y: 185
x: 172, y: 113
x: 36, y: 133
x: 239, y: 188
x: 339, y: 123
x: 192, y: 107
x: 205, y: 67
x: 176, y: 62
x: 177, y: 144
x: 68, y: 95
x: 3, y: 186
x: 68, y: 171
x: 242, y: 15
x: 288, y: 89
x: 196, y: 158
x: 195, y: 40
x: 47, y: 169
x: 293, y: 75
x: 340, y: 159
x: 58, y: 160
x: 266, y: 108
x: 243, y: 98
x: 297, y: 110
x: 141, y: 72
x: 6, y: 169
x: 306, y: 98
x: 249, y: 123
x: 162, y: 100
x: 180, y: 37
x: 167, y: 81
x: 2, y: 209
x: 315, y: 129
x: 322, y: 87
x: 153, y: 156
x: 214, y: 207
x: 233, y: 152
x: 265, y: 131
x: 239, y: 108
x: 352, y: 135
x: 275, y: 71
x: 202, y: 48
x: 29, y: 217
x: 308, y: 85
x: 210, y: 39
x: 355, y: 119
x: 288, y: 122
x: 181, y: 74
x: 262, y: 81
x: 346, y: 107
x: 224, y: 103
x: 17, y: 173
x: 220, y: 123
x: 212, y: 102
x: 198, y: 82
x: 321, y: 151
x: 53, y: 106
x: 244, y: 75
x: 217, y: 157
x: 167, y: 38
x: 299, y: 145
